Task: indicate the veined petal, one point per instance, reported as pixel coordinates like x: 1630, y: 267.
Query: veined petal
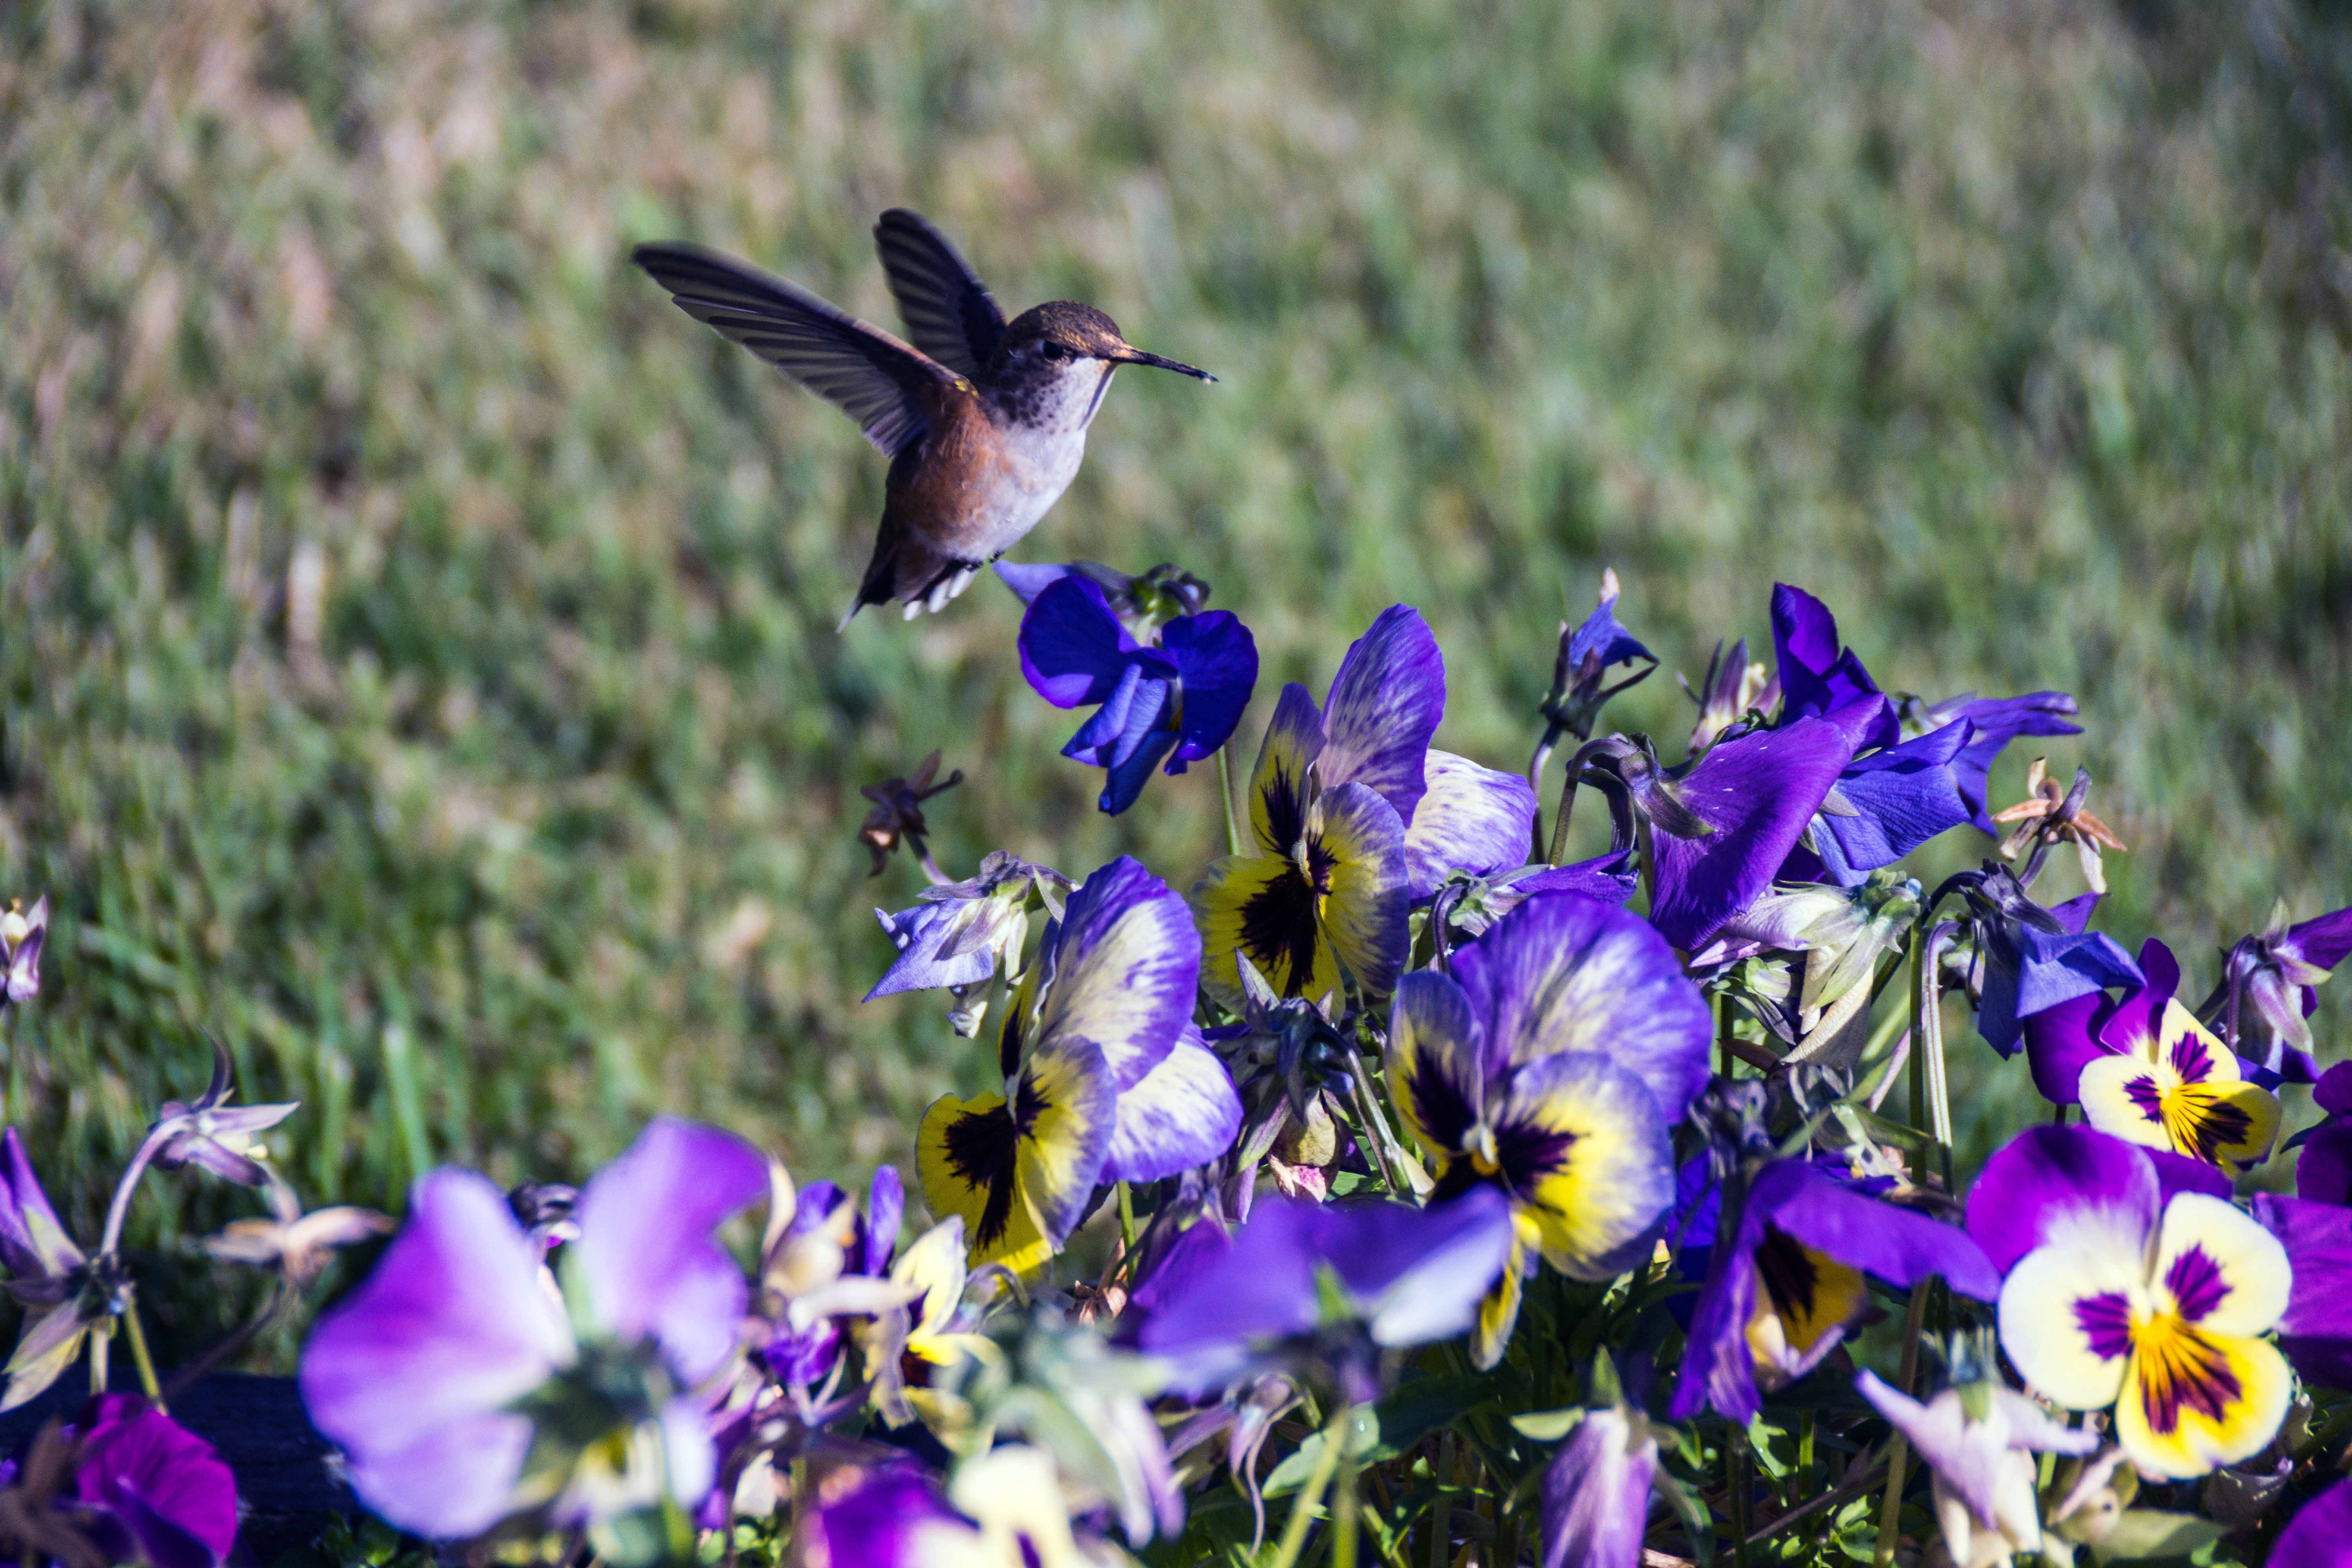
x: 1355, y: 849
x: 2317, y: 1329
x: 2320, y: 1534
x: 1498, y: 1309
x: 1805, y: 1302
x: 2218, y: 1270
x: 965, y: 1160
x: 1589, y: 1159
x: 1890, y: 1242
x: 1182, y: 1113
x: 1073, y: 649
x: 2148, y: 1104
x: 1263, y: 907
x: 1596, y: 1494
x: 1470, y: 819
x: 1066, y: 1106
x: 2066, y: 1313
x: 1758, y: 792
x: 645, y: 1251
x: 1384, y: 708
x: 2056, y: 1186
x: 1217, y: 658
x: 2196, y: 1400
x: 1563, y: 973
x: 1278, y: 789
x: 1435, y: 1062
x: 1127, y: 965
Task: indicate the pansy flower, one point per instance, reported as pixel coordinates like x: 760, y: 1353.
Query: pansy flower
x: 2148, y: 1071
x: 21, y: 936
x: 2320, y: 1533
x: 1790, y: 1282
x: 1106, y: 1080
x: 2316, y: 1331
x: 819, y: 1263
x: 2324, y: 1171
x: 1980, y: 1443
x: 1353, y: 817
x: 1176, y: 700
x: 148, y: 1489
x: 2119, y: 1293
x: 1588, y: 651
x: 1552, y: 1065
x: 962, y: 933
x: 462, y: 1388
x: 1005, y: 1509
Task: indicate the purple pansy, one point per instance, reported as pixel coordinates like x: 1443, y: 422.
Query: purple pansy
x: 1792, y: 1281
x: 1399, y: 1276
x: 1752, y: 797
x: 1596, y: 1492
x: 2316, y: 1330
x: 864, y: 1243
x: 427, y: 1374
x: 2324, y: 1172
x: 2320, y: 1533
x: 1983, y: 1460
x: 1176, y: 700
x: 154, y: 1491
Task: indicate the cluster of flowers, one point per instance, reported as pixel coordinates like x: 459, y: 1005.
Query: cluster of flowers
x: 1509, y: 1224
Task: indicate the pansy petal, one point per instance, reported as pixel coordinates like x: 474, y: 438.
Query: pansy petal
x: 1127, y: 965
x: 1498, y: 1309
x: 1357, y: 844
x: 1277, y: 788
x: 1384, y: 708
x: 2219, y: 1269
x: 2324, y: 1170
x: 1597, y: 1493
x: 2320, y: 1533
x: 33, y: 1242
x: 1182, y: 1114
x: 2322, y: 943
x: 894, y: 1517
x: 2196, y: 1401
x: 2060, y: 1042
x: 2149, y: 1105
x: 1261, y: 1287
x: 453, y: 1324
x: 1421, y: 1273
x: 1217, y: 658
x: 1564, y: 973
x: 1435, y: 1062
x: 2065, y: 1317
x: 1819, y: 677
x: 645, y: 1252
x: 885, y: 1210
x: 966, y: 1161
x: 1066, y: 1106
x: 1757, y: 792
x: 1610, y: 878
x: 1900, y: 797
x: 2048, y: 1182
x: 455, y: 1481
x: 1073, y: 649
x: 1589, y: 1160
x: 921, y: 933
x: 1997, y: 720
x: 2316, y: 1331
x: 1891, y: 1243
x: 1261, y: 906
x: 2134, y: 1026
x: 1470, y: 819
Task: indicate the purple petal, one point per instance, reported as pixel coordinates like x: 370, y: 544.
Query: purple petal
x: 1601, y: 635
x: 2321, y: 943
x: 1127, y: 965
x: 1470, y: 820
x: 1894, y: 1243
x: 1610, y: 878
x: 2075, y: 912
x: 1217, y: 658
x: 1436, y: 1061
x: 1073, y: 649
x: 1566, y: 974
x: 1420, y: 1273
x: 2320, y: 1534
x: 2047, y: 1178
x: 1028, y: 581
x: 2323, y: 1173
x: 2049, y: 970
x: 1998, y: 721
x: 2316, y: 1330
x: 1383, y: 709
x: 1905, y: 796
x: 1182, y: 1114
x: 1175, y: 1274
x: 1817, y: 677
x: 1263, y: 1288
x: 2060, y: 1041
x: 2135, y: 1021
x: 886, y: 1211
x: 1596, y: 1494
x: 1130, y: 712
x: 920, y: 933
x: 134, y: 1454
x: 1757, y: 791
x: 411, y: 1373
x: 645, y: 1252
x: 2179, y: 1174
x: 33, y: 1243
x: 894, y: 1517
x: 2333, y: 1093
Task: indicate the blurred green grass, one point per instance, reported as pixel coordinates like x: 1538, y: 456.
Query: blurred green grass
x: 416, y: 637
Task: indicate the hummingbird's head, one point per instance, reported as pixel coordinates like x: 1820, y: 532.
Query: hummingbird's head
x: 1064, y: 336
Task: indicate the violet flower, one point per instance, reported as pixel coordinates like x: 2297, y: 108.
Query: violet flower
x: 1322, y: 1291
x: 462, y: 1388
x: 2316, y: 1331
x: 153, y: 1491
x: 1786, y: 1285
x: 1820, y: 678
x: 2324, y: 1172
x: 962, y: 933
x: 212, y: 1133
x: 1588, y: 651
x: 1595, y: 1504
x: 1175, y: 701
x: 2279, y: 972
x: 1005, y: 1509
x: 1979, y: 1441
x: 2320, y: 1533
x: 1552, y: 1065
x: 1143, y: 603
x: 21, y: 937
x: 2030, y: 959
x: 804, y: 1262
x: 48, y: 1273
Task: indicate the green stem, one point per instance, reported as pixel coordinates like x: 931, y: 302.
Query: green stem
x: 1898, y: 1452
x: 1127, y: 1220
x: 99, y: 1336
x: 1302, y: 1510
x: 1225, y: 794
x: 1734, y: 1481
x: 1559, y: 822
x: 137, y: 1335
x: 1346, y: 1500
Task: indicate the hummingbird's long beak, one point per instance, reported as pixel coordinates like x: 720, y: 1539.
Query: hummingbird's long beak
x: 1127, y: 354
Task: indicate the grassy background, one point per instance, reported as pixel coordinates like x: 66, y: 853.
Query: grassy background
x: 416, y: 636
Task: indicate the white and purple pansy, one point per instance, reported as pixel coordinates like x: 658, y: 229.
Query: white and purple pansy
x: 2131, y: 1281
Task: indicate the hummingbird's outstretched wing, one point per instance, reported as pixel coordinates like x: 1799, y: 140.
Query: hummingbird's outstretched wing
x: 949, y: 311
x: 876, y: 379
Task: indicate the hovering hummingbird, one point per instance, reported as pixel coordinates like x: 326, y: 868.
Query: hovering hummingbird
x: 984, y: 421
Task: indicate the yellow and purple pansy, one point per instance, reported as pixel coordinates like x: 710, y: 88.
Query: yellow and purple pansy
x: 1107, y: 1078
x: 1552, y: 1063
x: 2130, y: 1280
x: 1354, y: 817
x: 2145, y: 1070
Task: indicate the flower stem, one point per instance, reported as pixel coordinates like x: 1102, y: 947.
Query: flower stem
x: 1898, y: 1451
x: 121, y: 1205
x: 137, y: 1335
x: 1302, y: 1511
x: 1346, y: 1498
x: 1225, y: 796
x: 1127, y: 1216
x: 1567, y: 801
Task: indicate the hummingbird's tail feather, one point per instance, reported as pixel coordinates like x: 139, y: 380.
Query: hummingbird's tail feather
x: 907, y: 569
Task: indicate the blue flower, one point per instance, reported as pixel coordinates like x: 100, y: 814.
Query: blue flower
x: 1176, y: 700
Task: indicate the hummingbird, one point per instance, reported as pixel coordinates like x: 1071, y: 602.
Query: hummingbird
x: 983, y: 420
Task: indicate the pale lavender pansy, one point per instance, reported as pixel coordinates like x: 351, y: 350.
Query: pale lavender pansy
x: 1595, y: 1504
x: 1984, y: 1472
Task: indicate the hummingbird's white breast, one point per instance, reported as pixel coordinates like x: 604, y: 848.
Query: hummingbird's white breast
x: 1040, y: 439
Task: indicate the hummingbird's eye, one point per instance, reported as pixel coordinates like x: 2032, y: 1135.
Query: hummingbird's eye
x: 1056, y: 351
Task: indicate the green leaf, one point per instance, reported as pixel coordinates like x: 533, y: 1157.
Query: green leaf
x: 2144, y: 1532
x: 1547, y: 1425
